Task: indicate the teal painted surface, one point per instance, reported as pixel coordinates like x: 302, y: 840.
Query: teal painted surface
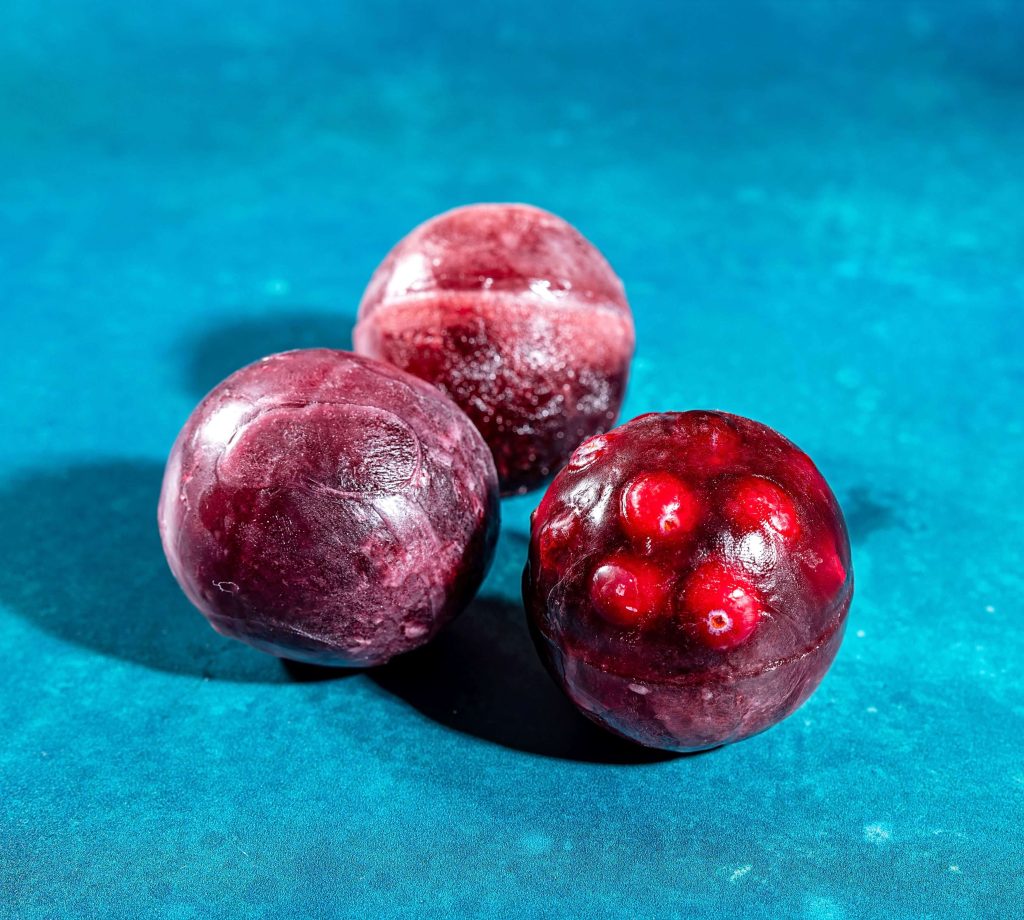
x: 817, y: 211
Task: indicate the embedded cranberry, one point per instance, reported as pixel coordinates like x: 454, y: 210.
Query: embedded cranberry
x: 823, y: 565
x: 518, y: 318
x: 328, y: 508
x: 625, y: 591
x: 589, y: 451
x: 701, y: 581
x: 755, y: 502
x: 711, y: 441
x: 720, y: 605
x: 558, y: 538
x: 658, y: 506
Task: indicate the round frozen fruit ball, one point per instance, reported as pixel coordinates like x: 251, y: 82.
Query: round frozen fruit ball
x: 689, y: 579
x: 328, y: 508
x: 518, y: 318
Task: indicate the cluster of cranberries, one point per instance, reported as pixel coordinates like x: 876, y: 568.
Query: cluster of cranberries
x: 687, y: 582
x: 689, y: 573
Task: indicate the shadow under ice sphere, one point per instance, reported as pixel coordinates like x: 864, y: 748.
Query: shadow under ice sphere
x: 329, y: 508
x: 689, y: 579
x: 518, y: 318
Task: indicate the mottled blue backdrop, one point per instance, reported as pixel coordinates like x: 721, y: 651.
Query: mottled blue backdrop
x: 818, y: 211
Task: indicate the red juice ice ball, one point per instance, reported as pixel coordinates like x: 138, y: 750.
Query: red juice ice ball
x: 518, y: 318
x: 689, y: 579
x: 328, y: 508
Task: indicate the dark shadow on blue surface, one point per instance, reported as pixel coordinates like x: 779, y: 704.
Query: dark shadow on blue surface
x: 866, y: 512
x: 983, y: 45
x: 302, y: 672
x: 221, y: 350
x: 81, y: 558
x: 482, y: 676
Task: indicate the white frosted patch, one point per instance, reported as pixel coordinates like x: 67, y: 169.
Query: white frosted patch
x: 878, y: 833
x: 820, y: 908
x: 739, y: 874
x: 535, y: 844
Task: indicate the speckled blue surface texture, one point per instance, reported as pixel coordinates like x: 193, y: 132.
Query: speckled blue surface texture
x: 817, y: 212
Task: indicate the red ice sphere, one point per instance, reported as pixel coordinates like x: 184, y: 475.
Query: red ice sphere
x: 329, y: 508
x: 689, y: 579
x: 518, y: 318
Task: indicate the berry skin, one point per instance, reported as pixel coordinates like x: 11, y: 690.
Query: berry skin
x: 658, y: 506
x: 756, y: 502
x: 720, y: 606
x: 625, y: 591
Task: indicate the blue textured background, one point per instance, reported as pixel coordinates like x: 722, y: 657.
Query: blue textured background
x: 818, y: 211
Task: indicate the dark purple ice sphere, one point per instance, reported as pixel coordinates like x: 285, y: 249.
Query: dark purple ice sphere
x: 329, y: 508
x: 689, y: 579
x: 516, y: 316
